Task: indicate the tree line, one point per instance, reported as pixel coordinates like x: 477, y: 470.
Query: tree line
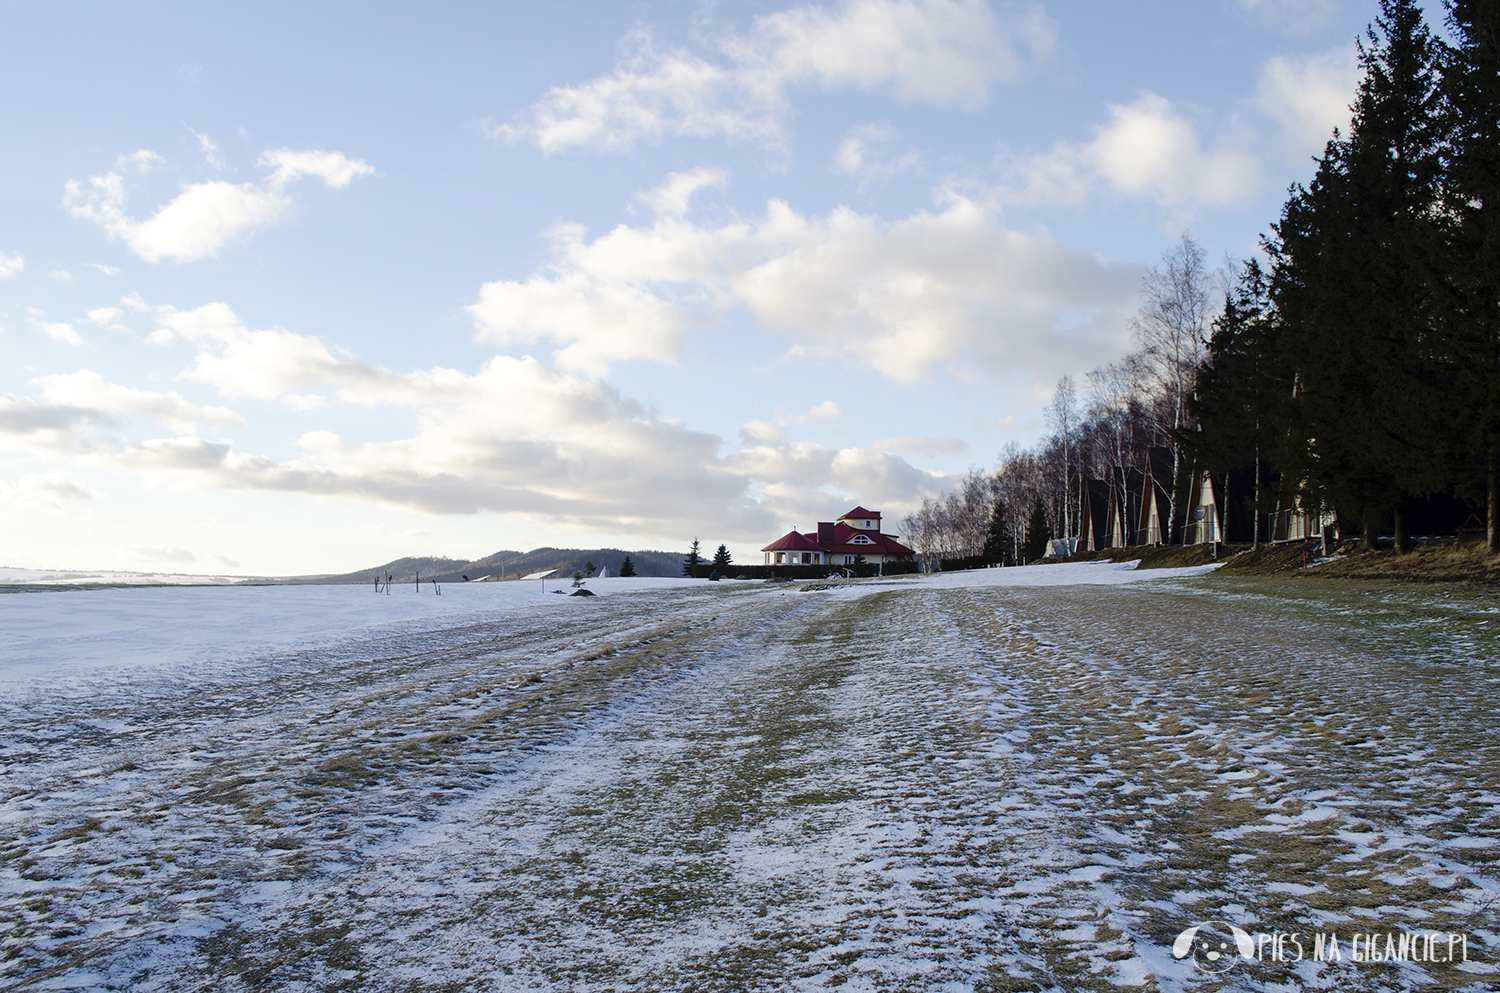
x: 1355, y: 371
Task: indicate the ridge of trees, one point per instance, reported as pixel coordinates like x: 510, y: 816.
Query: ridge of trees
x: 1357, y: 369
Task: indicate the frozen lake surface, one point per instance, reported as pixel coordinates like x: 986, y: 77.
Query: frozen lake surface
x: 1021, y: 779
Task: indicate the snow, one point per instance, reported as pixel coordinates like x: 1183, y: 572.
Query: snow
x: 1017, y: 778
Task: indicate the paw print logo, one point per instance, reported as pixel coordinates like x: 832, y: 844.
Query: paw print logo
x: 1214, y: 946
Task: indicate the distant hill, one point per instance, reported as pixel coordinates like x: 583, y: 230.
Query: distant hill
x: 512, y: 565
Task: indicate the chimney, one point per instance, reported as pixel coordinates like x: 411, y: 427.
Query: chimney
x: 825, y: 534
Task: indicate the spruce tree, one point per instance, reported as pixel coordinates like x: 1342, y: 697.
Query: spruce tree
x: 690, y: 564
x: 721, y: 558
x: 627, y: 568
x: 1354, y: 298
x: 1241, y: 392
x: 997, y: 540
x: 1471, y: 262
x: 1038, y: 534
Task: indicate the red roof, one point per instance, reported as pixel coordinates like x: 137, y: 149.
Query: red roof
x: 882, y: 544
x: 861, y: 514
x: 793, y: 542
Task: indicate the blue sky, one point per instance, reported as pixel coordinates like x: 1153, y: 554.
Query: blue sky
x: 305, y: 287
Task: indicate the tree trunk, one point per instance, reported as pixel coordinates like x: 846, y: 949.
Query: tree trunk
x: 1255, y: 502
x: 1492, y: 513
x: 1403, y: 530
x: 1372, y: 529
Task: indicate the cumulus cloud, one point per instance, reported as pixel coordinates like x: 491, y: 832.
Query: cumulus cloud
x: 1309, y: 96
x: 203, y: 216
x: 513, y: 436
x: 108, y: 270
x: 935, y: 289
x: 922, y: 51
x: 10, y: 265
x: 827, y: 410
x: 1146, y: 149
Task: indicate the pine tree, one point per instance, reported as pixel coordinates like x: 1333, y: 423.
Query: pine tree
x: 721, y: 558
x: 1352, y: 293
x: 627, y: 568
x: 1471, y: 263
x: 690, y: 564
x: 997, y: 540
x: 1241, y: 391
x: 1038, y: 533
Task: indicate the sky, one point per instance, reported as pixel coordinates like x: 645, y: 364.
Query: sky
x: 304, y: 287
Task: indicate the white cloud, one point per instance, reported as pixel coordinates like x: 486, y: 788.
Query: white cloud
x: 160, y: 554
x: 133, y: 301
x: 827, y: 410
x: 599, y: 321
x: 141, y: 160
x: 1146, y: 149
x: 673, y: 197
x: 1309, y: 96
x: 924, y: 51
x: 513, y: 437
x: 863, y: 156
x: 921, y: 444
x: 86, y: 390
x: 104, y: 316
x: 210, y: 149
x: 108, y: 270
x: 930, y: 290
x: 10, y: 265
x: 204, y: 216
x: 333, y: 168
x: 56, y: 330
x: 762, y: 432
x: 44, y: 491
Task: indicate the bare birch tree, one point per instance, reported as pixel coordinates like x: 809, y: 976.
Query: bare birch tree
x: 1172, y: 329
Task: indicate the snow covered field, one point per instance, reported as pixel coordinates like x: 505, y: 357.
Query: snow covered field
x: 1007, y: 780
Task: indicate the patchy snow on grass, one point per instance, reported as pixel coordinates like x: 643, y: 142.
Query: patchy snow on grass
x: 1017, y: 779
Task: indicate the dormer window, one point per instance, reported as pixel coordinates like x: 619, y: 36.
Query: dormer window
x: 861, y: 539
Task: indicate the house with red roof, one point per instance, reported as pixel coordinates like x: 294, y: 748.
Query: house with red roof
x: 856, y: 536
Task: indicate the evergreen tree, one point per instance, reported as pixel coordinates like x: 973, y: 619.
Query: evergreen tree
x: 1355, y: 300
x: 690, y: 564
x: 1471, y: 262
x: 627, y: 568
x: 1038, y: 533
x: 721, y: 558
x: 1241, y: 392
x: 997, y: 540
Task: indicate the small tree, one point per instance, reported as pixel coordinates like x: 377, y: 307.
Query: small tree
x: 589, y: 569
x: 721, y: 558
x: 690, y: 564
x: 997, y: 541
x: 627, y: 568
x: 1038, y: 533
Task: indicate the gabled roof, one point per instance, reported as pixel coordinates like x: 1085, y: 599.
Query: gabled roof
x: 860, y: 514
x: 793, y: 542
x: 875, y: 542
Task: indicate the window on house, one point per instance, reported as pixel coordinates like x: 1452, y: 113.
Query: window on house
x: 780, y: 557
x: 807, y: 558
